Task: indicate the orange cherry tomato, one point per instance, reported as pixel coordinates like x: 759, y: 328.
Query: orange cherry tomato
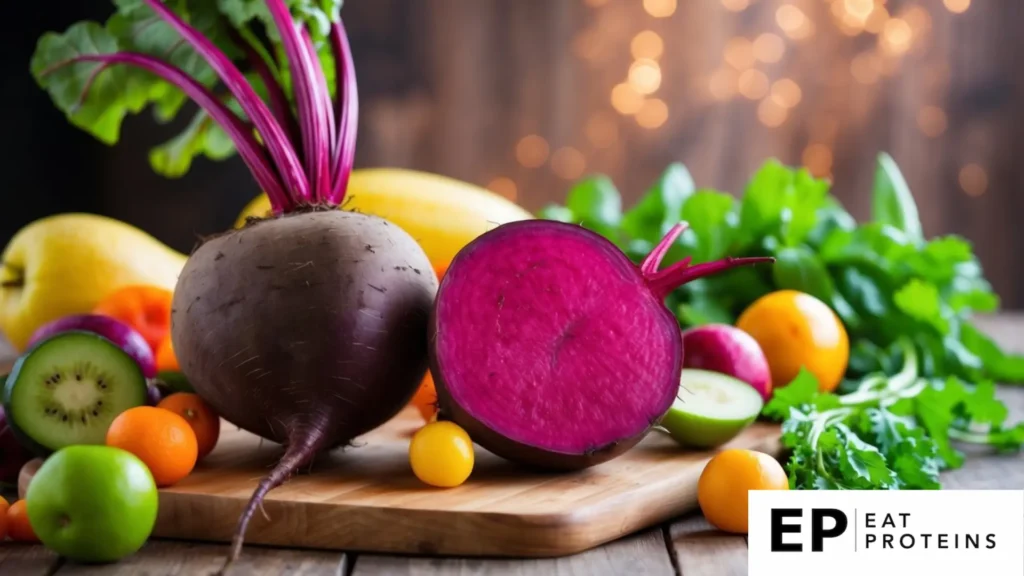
x: 145, y: 308
x: 726, y: 480
x: 200, y: 416
x: 796, y: 330
x: 19, y: 528
x: 162, y: 439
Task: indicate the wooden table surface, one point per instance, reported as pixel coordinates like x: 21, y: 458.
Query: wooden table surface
x: 687, y: 545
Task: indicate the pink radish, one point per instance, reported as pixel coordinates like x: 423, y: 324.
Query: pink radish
x: 728, y: 350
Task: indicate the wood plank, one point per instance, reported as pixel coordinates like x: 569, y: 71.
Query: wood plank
x: 26, y: 560
x: 643, y: 554
x: 367, y: 499
x: 701, y: 550
x: 169, y: 558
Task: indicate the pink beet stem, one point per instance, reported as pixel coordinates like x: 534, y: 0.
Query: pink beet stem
x: 663, y: 284
x: 272, y: 133
x: 310, y: 103
x: 346, y: 114
x: 653, y: 260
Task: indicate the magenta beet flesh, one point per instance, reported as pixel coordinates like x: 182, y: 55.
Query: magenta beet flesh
x: 728, y: 350
x: 552, y: 348
x: 121, y: 334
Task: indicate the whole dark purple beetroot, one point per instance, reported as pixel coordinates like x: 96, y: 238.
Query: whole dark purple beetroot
x: 552, y: 349
x: 298, y: 342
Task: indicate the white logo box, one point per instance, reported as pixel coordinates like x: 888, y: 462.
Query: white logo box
x: 910, y: 532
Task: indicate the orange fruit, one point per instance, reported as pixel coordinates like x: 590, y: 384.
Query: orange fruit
x: 796, y: 330
x: 145, y: 308
x: 199, y: 415
x: 725, y: 481
x: 166, y: 361
x: 18, y: 526
x: 425, y: 399
x: 163, y: 440
x: 3, y: 518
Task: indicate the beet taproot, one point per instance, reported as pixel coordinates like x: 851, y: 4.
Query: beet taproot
x: 552, y: 348
x: 308, y: 329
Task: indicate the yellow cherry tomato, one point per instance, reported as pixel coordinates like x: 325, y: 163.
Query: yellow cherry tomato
x: 797, y: 330
x: 441, y: 454
x: 725, y: 481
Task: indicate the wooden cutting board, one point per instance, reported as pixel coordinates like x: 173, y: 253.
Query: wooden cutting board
x: 367, y: 499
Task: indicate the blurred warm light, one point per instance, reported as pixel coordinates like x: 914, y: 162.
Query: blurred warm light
x: 771, y: 114
x: 973, y: 180
x: 645, y: 76
x: 802, y: 32
x: 918, y: 18
x: 957, y: 6
x: 859, y: 9
x: 876, y: 21
x: 596, y: 3
x: 818, y: 159
x: 503, y: 187
x: 723, y: 84
x: 865, y: 68
x: 932, y: 121
x: 851, y: 25
x: 647, y: 44
x: 653, y: 114
x: 568, y: 163
x: 896, y: 36
x: 660, y: 8
x: 532, y: 151
x: 736, y: 5
x: 753, y: 84
x: 739, y: 53
x: 786, y: 93
x: 626, y: 99
x: 789, y: 18
x: 838, y: 9
x: 602, y: 130
x: 769, y: 48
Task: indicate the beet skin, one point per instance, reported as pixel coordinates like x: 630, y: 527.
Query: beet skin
x: 554, y: 350
x: 308, y: 330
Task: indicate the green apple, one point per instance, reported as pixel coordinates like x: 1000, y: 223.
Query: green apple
x: 711, y: 409
x: 92, y: 504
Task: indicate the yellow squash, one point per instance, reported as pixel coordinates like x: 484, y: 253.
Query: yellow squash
x: 441, y: 213
x: 64, y: 264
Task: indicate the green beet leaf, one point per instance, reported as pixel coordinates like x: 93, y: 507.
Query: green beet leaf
x: 94, y: 98
x: 660, y: 208
x: 892, y: 202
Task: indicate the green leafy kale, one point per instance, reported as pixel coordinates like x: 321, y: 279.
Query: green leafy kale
x: 242, y: 29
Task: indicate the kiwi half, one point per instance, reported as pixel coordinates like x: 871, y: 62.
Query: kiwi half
x: 68, y: 389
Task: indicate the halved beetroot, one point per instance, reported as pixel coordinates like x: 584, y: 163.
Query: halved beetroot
x: 553, y: 349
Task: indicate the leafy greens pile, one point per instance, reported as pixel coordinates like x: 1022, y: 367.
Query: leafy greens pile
x: 920, y: 374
